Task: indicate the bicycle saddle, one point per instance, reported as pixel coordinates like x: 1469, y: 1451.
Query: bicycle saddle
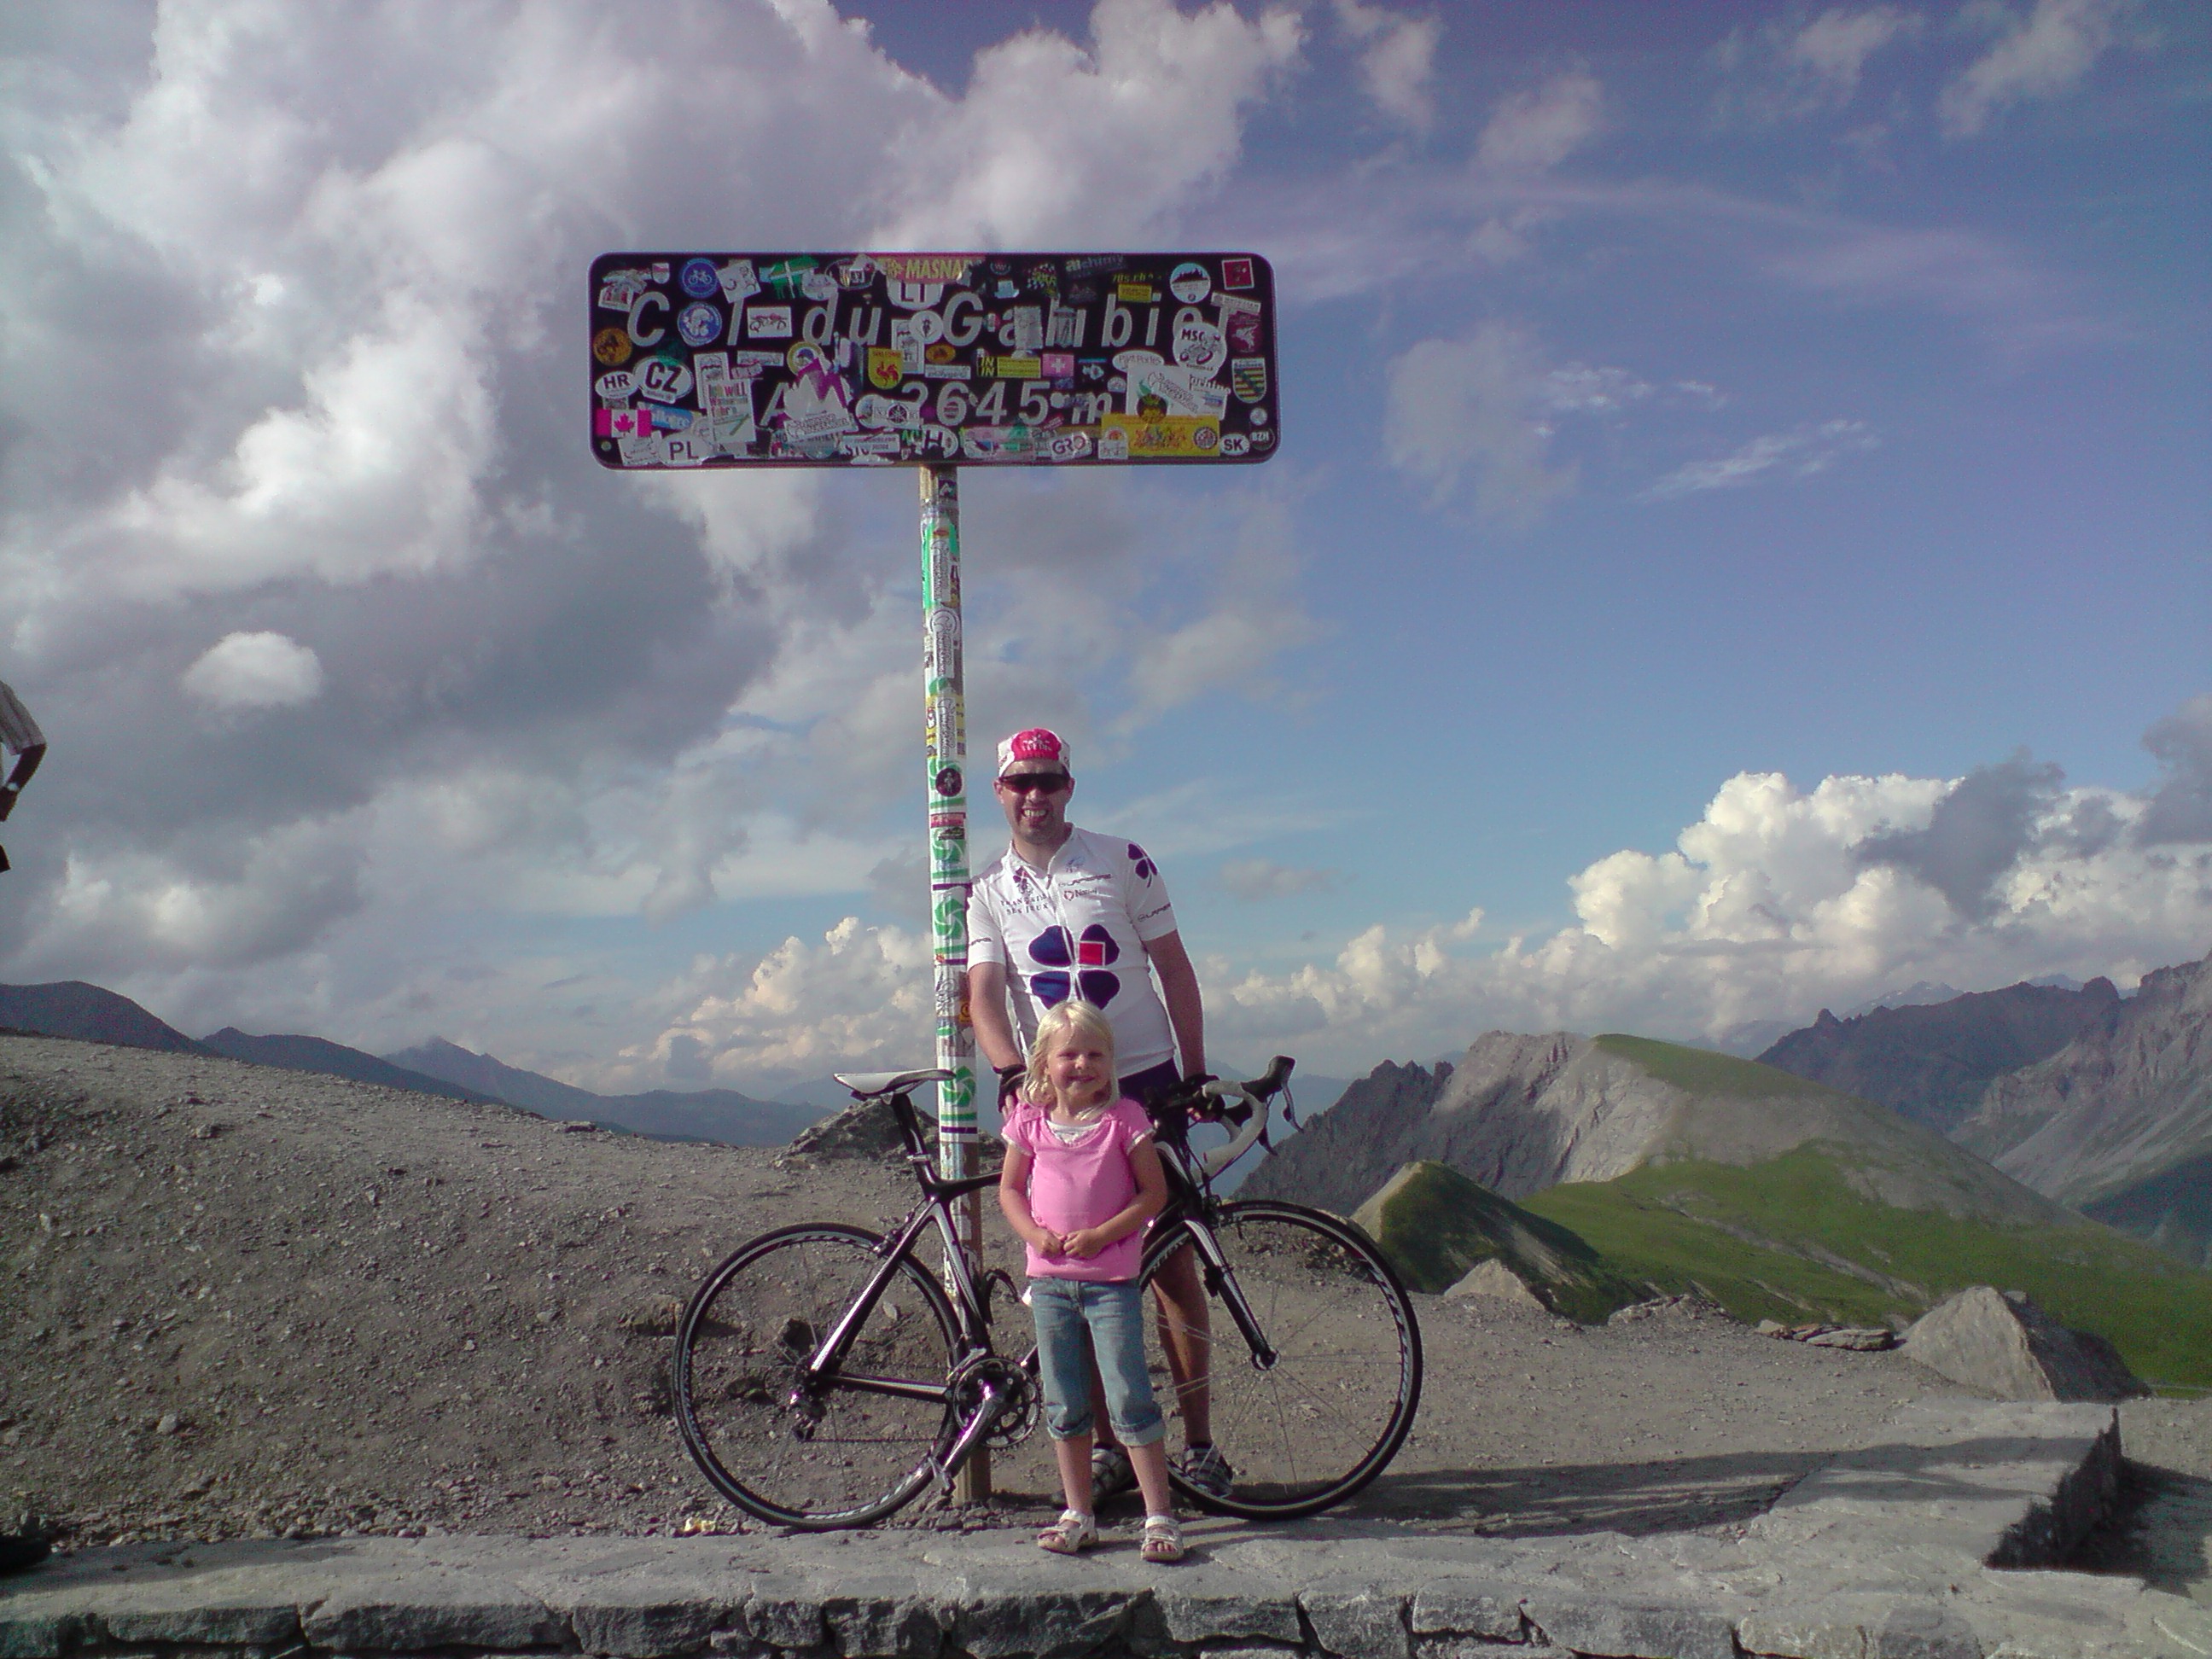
x: 866, y: 1084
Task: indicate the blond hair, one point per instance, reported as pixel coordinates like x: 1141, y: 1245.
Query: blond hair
x: 1074, y: 1018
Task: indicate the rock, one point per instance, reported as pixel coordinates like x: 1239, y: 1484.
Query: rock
x: 1653, y: 1631
x: 1869, y: 1339
x: 657, y: 1315
x: 1367, y: 1624
x: 1864, y: 1339
x: 1687, y: 1304
x: 864, y: 1129
x: 2004, y: 1345
x: 1492, y: 1277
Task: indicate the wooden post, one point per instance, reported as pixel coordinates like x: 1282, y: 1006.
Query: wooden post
x: 944, y: 693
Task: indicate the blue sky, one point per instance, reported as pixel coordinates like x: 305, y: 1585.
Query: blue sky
x: 1739, y: 543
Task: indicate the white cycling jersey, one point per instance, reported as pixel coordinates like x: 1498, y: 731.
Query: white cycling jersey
x: 1079, y: 925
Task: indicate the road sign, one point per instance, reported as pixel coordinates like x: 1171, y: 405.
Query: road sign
x: 720, y: 360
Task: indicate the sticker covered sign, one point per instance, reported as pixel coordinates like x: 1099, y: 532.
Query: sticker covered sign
x: 701, y: 360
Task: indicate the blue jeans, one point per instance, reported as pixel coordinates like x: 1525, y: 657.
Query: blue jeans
x: 1113, y: 1315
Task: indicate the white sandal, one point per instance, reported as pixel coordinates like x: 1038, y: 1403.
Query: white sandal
x: 1072, y: 1533
x: 1163, y: 1539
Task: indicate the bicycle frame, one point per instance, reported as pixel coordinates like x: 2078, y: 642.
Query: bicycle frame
x: 970, y: 1304
x: 1188, y: 1221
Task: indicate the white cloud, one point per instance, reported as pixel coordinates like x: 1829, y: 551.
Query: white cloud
x: 861, y: 997
x: 208, y: 906
x: 1257, y: 880
x: 1471, y: 403
x: 1800, y: 453
x: 255, y: 671
x: 1834, y: 47
x: 1769, y: 907
x: 1786, y: 69
x: 1537, y: 128
x: 536, y: 691
x: 1776, y: 903
x: 1488, y: 404
x: 2039, y: 56
x: 1159, y: 92
x: 1399, y: 62
x: 1580, y: 389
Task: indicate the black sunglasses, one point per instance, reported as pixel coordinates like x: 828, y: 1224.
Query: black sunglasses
x: 1022, y: 782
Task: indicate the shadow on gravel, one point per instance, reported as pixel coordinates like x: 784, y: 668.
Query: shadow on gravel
x: 2160, y: 1531
x: 1666, y: 1495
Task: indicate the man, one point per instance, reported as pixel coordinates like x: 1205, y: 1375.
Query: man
x: 20, y: 733
x: 1067, y: 912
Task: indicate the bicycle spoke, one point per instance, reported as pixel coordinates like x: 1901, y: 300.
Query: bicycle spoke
x: 1336, y: 1403
x: 851, y: 1448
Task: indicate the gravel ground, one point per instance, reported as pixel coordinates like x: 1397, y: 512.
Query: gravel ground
x: 244, y: 1302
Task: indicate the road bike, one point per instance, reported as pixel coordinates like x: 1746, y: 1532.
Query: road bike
x: 825, y: 1377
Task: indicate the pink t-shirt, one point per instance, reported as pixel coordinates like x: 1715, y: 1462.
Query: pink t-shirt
x: 1081, y: 1184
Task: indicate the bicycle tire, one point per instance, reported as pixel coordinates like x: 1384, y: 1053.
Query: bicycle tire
x: 858, y: 1455
x: 1334, y: 1409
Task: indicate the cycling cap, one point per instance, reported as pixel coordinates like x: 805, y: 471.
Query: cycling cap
x: 1037, y: 744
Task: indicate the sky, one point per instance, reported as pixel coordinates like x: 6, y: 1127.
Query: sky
x: 1738, y: 543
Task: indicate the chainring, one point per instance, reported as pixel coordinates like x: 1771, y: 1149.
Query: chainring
x: 1025, y: 1403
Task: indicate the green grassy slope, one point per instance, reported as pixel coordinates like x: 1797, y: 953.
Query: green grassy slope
x: 1434, y: 1224
x: 1703, y: 1072
x: 1791, y: 1239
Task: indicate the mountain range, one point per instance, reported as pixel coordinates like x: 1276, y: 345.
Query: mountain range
x: 722, y: 1115
x: 1659, y: 1167
x: 72, y: 1008
x: 2101, y: 1103
x: 1933, y: 1061
x: 1521, y: 1115
x: 2118, y: 1122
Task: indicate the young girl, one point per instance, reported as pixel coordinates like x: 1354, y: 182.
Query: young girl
x: 1082, y: 1177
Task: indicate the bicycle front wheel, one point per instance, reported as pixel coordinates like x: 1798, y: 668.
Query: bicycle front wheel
x: 1310, y: 1426
x: 852, y: 1447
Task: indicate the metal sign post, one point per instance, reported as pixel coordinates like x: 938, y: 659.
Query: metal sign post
x: 945, y: 697
x: 707, y: 361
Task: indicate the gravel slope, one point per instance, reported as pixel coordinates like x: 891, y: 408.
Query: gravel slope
x: 250, y: 1301
x: 245, y: 1301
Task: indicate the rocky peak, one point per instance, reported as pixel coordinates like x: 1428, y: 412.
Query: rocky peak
x: 2130, y: 1097
x: 1931, y: 1062
x: 1346, y: 1152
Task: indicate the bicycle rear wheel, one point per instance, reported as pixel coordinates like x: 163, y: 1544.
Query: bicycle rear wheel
x: 849, y: 1451
x: 1330, y: 1412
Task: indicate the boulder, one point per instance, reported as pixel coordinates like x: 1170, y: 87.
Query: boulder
x: 1492, y: 1277
x: 1862, y: 1339
x: 2005, y: 1345
x: 867, y: 1129
x: 864, y: 1129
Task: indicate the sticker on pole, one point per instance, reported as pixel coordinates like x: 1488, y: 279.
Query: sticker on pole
x: 707, y: 360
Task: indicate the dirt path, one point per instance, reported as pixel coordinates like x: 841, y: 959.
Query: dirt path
x: 248, y: 1302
